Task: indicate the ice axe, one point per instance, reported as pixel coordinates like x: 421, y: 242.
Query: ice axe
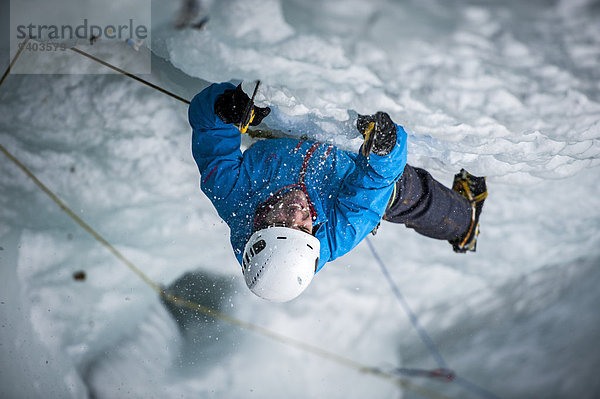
x: 369, y: 134
x: 248, y: 114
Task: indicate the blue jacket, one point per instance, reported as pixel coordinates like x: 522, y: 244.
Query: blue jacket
x: 347, y: 192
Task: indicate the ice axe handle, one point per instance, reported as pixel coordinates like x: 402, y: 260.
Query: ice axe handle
x: 249, y: 111
x: 369, y: 139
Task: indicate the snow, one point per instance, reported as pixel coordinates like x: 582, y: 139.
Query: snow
x: 504, y: 89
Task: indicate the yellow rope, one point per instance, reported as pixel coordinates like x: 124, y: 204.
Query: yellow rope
x: 80, y: 222
x: 114, y: 68
x: 343, y: 361
x: 21, y: 47
x: 213, y: 313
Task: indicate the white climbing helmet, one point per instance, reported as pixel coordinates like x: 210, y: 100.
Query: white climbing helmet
x: 280, y: 262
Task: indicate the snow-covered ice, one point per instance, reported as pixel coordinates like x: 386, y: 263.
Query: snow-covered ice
x: 505, y: 89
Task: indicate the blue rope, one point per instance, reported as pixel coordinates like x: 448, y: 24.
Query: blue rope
x: 443, y: 370
x: 411, y: 315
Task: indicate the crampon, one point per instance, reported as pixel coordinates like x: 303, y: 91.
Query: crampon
x: 474, y: 189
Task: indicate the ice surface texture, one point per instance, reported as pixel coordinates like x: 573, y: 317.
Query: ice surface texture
x: 507, y: 90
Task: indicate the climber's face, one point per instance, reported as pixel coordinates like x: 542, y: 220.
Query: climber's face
x: 290, y: 210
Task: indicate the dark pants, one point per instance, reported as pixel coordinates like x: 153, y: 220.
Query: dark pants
x: 424, y: 204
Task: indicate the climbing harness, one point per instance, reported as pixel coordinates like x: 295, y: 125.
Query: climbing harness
x: 392, y: 376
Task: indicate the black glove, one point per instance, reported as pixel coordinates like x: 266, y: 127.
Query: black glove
x: 383, y: 135
x: 230, y: 107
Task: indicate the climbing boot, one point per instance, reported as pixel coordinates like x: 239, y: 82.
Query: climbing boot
x: 474, y: 189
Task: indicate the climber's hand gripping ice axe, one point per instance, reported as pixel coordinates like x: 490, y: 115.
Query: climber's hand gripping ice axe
x: 248, y: 115
x: 379, y: 132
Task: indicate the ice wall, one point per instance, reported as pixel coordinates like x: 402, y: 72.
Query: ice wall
x: 494, y: 81
x: 505, y: 89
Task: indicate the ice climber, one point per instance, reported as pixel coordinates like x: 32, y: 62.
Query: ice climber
x: 293, y: 205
